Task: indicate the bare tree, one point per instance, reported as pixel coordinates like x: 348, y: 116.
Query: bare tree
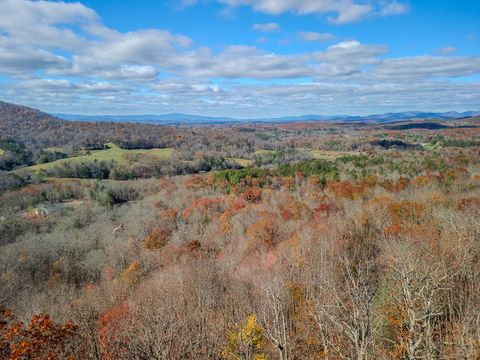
x: 347, y: 310
x: 418, y: 294
x: 274, y: 318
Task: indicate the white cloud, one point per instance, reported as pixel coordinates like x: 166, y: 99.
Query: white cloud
x: 21, y: 60
x: 316, y: 36
x: 446, y: 50
x: 416, y: 67
x: 266, y: 27
x: 338, y: 11
x: 61, y: 57
x: 349, y: 44
x: 351, y: 13
x: 246, y: 62
x: 388, y: 8
x: 351, y: 52
x: 39, y: 23
x: 143, y: 47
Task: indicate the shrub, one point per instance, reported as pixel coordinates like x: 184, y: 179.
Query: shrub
x: 157, y: 238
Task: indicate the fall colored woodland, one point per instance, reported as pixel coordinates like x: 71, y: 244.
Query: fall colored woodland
x: 288, y: 241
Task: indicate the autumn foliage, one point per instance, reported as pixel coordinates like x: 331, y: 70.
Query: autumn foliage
x: 301, y: 241
x: 41, y: 338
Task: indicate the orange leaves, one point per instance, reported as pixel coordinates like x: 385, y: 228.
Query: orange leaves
x: 404, y: 217
x: 424, y: 179
x: 291, y: 208
x: 131, y: 274
x: 324, y: 209
x: 393, y: 229
x: 41, y: 339
x: 169, y: 214
x: 110, y: 328
x: 404, y: 214
x: 314, y: 181
x: 469, y: 203
x: 456, y: 175
x: 396, y: 186
x: 347, y: 189
x: 157, y: 238
x: 369, y: 181
x: 293, y: 250
x: 203, y: 205
x: 235, y: 207
x: 286, y: 214
x: 396, y: 326
x: 252, y: 195
x: 194, y: 182
x: 193, y: 246
x: 160, y: 205
x: 264, y: 229
x: 407, y: 210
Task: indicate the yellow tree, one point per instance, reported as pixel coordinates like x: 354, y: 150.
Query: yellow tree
x: 246, y: 342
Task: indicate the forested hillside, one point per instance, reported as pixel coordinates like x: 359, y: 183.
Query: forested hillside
x: 38, y: 130
x: 291, y: 241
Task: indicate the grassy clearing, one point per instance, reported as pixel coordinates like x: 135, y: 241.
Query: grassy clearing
x: 316, y: 154
x: 248, y: 162
x: 2, y: 152
x: 55, y: 148
x: 243, y: 162
x: 113, y: 153
x: 331, y: 155
x: 260, y: 152
x: 432, y: 147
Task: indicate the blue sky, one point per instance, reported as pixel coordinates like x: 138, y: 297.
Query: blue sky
x: 241, y: 58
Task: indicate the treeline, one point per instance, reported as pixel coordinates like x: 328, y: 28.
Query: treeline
x: 15, y: 154
x: 154, y: 168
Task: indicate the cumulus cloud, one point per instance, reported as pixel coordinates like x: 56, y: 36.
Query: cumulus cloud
x: 247, y: 62
x: 352, y: 52
x: 62, y: 85
x: 316, y: 36
x: 21, y: 60
x: 393, y: 8
x: 33, y: 32
x: 446, y: 50
x: 39, y: 23
x: 134, y: 51
x: 62, y: 58
x: 416, y: 67
x: 338, y: 11
x: 266, y: 27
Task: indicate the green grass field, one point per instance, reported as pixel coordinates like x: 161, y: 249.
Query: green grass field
x: 331, y: 155
x: 113, y: 153
x: 242, y: 162
x: 55, y: 148
x: 316, y: 154
x: 432, y: 147
x: 2, y: 152
x: 259, y: 152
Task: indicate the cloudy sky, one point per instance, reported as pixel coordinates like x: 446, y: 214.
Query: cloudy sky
x: 240, y: 58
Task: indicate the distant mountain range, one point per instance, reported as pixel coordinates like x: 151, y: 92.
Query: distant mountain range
x: 186, y: 119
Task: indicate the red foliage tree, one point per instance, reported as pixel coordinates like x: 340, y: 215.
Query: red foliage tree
x: 110, y: 334
x: 252, y: 195
x: 40, y: 339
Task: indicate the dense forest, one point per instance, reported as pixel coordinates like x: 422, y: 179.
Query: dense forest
x: 312, y: 240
